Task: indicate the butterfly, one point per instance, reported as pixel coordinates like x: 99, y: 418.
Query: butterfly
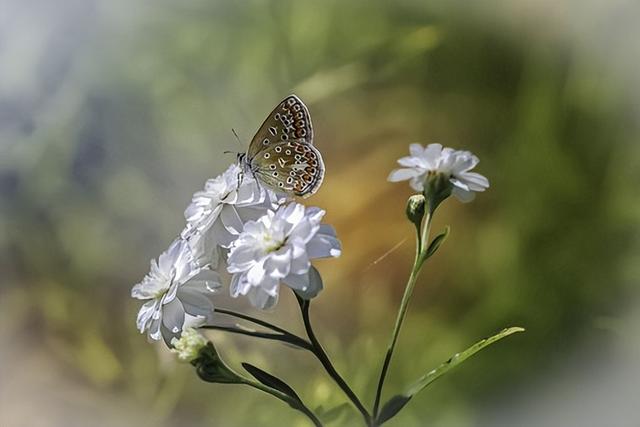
x: 281, y: 155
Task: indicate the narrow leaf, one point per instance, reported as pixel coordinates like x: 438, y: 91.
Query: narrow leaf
x: 396, y: 403
x: 436, y: 242
x: 392, y: 407
x: 271, y: 381
x: 457, y: 359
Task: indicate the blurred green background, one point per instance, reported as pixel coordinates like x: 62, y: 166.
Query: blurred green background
x: 112, y: 113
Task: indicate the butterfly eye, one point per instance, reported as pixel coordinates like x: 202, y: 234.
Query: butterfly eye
x: 267, y: 155
x: 278, y: 149
x: 265, y: 141
x: 289, y: 180
x: 272, y: 167
x: 275, y: 174
x: 285, y: 136
x: 287, y: 152
x: 292, y: 173
x: 273, y: 131
x: 277, y: 116
x: 280, y: 184
x: 299, y: 115
x: 296, y: 107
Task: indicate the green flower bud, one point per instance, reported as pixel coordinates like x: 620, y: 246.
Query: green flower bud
x: 211, y: 368
x: 415, y: 209
x: 437, y: 187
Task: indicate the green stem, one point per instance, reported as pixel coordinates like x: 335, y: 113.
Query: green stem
x: 295, y: 404
x: 322, y: 356
x: 252, y: 320
x: 421, y: 246
x: 283, y: 337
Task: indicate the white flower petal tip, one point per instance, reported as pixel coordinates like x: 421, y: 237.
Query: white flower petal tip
x: 434, y: 159
x: 175, y: 290
x: 279, y: 247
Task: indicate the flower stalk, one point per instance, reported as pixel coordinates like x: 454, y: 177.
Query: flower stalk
x: 322, y: 356
x: 420, y: 257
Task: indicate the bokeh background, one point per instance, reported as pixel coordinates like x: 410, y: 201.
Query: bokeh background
x: 112, y: 113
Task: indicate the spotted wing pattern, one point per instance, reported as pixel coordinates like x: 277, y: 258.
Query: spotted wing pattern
x: 289, y: 121
x: 292, y: 167
x: 281, y: 154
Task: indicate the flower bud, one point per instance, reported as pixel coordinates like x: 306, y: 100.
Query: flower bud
x: 188, y: 346
x: 211, y: 368
x: 415, y: 209
x: 437, y: 187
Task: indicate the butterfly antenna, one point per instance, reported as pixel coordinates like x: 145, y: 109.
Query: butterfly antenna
x: 236, y: 135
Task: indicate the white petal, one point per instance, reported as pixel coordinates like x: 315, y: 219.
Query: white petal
x: 255, y: 275
x: 463, y: 195
x: 300, y: 262
x: 324, y: 245
x: 459, y: 184
x: 239, y: 285
x: 402, y: 174
x: 411, y: 162
x: 299, y: 282
x: 313, y: 287
x: 260, y: 299
x: 154, y: 329
x: 206, y: 281
x: 292, y: 213
x: 195, y: 303
x: 145, y: 314
x: 416, y: 150
x: 475, y: 181
x: 168, y: 259
x: 278, y: 264
x: 173, y: 316
x: 231, y: 220
x: 242, y: 258
x: 432, y: 154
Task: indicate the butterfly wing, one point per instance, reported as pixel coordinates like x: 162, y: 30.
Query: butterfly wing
x: 289, y: 121
x: 294, y: 167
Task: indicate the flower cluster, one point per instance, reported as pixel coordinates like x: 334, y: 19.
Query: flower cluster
x: 263, y: 238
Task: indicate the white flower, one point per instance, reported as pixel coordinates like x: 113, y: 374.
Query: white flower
x: 217, y: 214
x: 433, y: 159
x: 188, y: 346
x: 177, y: 288
x: 278, y: 247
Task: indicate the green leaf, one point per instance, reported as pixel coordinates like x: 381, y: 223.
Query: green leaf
x: 271, y: 381
x: 330, y: 415
x: 457, y: 359
x: 391, y: 408
x: 436, y: 242
x: 396, y: 403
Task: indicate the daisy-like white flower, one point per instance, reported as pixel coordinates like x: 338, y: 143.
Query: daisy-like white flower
x: 432, y: 160
x: 217, y: 214
x: 279, y: 247
x: 177, y: 290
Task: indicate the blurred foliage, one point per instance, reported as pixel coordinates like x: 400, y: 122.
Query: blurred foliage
x: 112, y: 114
